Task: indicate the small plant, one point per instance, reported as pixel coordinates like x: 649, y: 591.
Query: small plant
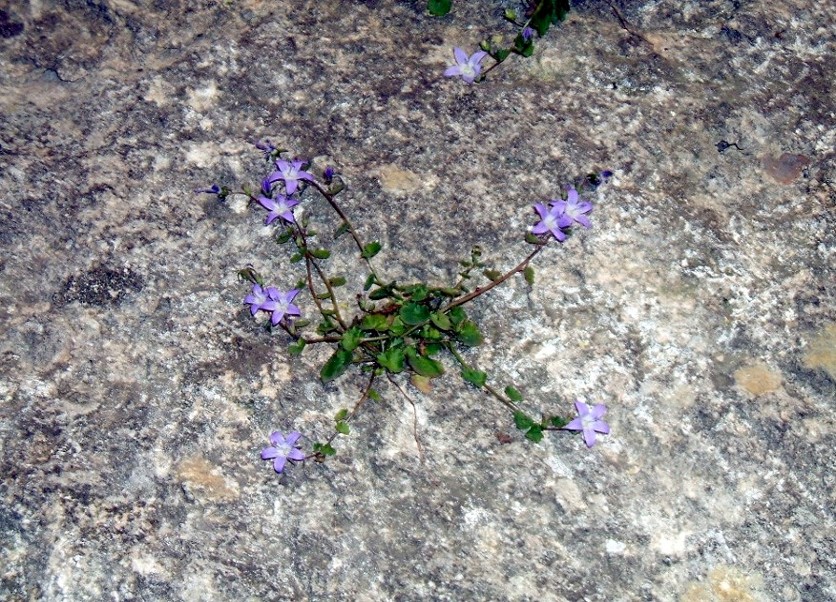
x: 397, y: 328
x: 539, y: 15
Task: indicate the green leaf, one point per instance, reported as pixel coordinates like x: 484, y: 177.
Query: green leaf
x: 381, y: 293
x: 284, y: 236
x: 522, y: 421
x: 323, y: 295
x: 559, y: 421
x: 513, y: 394
x: 439, y: 8
x: 548, y: 12
x: 468, y: 334
x: 397, y: 327
x: 477, y: 378
x: 528, y: 272
x: 433, y: 348
x: 414, y: 314
x: 377, y: 322
x: 374, y: 395
x: 351, y: 338
x: 533, y: 239
x: 392, y: 360
x: 336, y: 365
x: 430, y: 333
x: 424, y: 365
x: 535, y: 433
x: 327, y: 325
x: 296, y: 258
x: 342, y: 428
x: 370, y: 280
x: 501, y: 55
x: 296, y: 347
x: 418, y: 292
x: 321, y: 253
x: 300, y: 323
x: 336, y: 281
x: 457, y: 315
x: 341, y: 415
x: 371, y: 249
x: 343, y: 229
x: 324, y: 449
x: 492, y: 274
x: 441, y: 320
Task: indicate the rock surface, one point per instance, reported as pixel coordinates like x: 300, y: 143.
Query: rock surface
x: 136, y: 392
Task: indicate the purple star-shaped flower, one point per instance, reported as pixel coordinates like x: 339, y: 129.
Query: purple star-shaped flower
x: 282, y: 449
x: 552, y: 219
x: 291, y: 173
x: 279, y: 207
x: 589, y: 421
x: 527, y: 33
x: 261, y: 299
x: 467, y: 67
x: 283, y: 306
x: 574, y: 207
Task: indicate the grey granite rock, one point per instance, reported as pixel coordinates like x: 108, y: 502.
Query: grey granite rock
x: 136, y: 392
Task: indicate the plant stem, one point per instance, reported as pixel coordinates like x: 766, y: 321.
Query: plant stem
x: 510, y: 404
x: 484, y: 289
x: 335, y: 206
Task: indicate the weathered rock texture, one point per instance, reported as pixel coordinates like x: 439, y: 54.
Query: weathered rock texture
x: 136, y: 392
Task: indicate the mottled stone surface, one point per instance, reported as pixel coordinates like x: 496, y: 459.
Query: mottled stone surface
x: 136, y: 392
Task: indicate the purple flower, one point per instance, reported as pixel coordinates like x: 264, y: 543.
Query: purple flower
x: 329, y: 174
x: 282, y: 449
x: 267, y: 186
x: 283, y: 306
x: 279, y: 207
x: 214, y: 190
x: 261, y: 299
x: 552, y: 220
x: 589, y: 421
x: 466, y: 67
x: 574, y: 207
x: 291, y: 173
x: 527, y: 33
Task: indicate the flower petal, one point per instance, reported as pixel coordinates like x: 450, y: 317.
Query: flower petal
x: 477, y: 58
x: 589, y: 437
x: 582, y: 408
x: 276, y: 438
x: 296, y: 454
x: 598, y: 411
x: 292, y: 437
x: 461, y: 55
x: 602, y: 427
x: 575, y: 425
x: 278, y: 463
x: 268, y: 453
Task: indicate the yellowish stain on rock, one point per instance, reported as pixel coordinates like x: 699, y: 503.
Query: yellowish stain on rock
x: 725, y: 584
x: 822, y: 351
x: 401, y: 182
x: 205, y: 480
x: 758, y: 379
